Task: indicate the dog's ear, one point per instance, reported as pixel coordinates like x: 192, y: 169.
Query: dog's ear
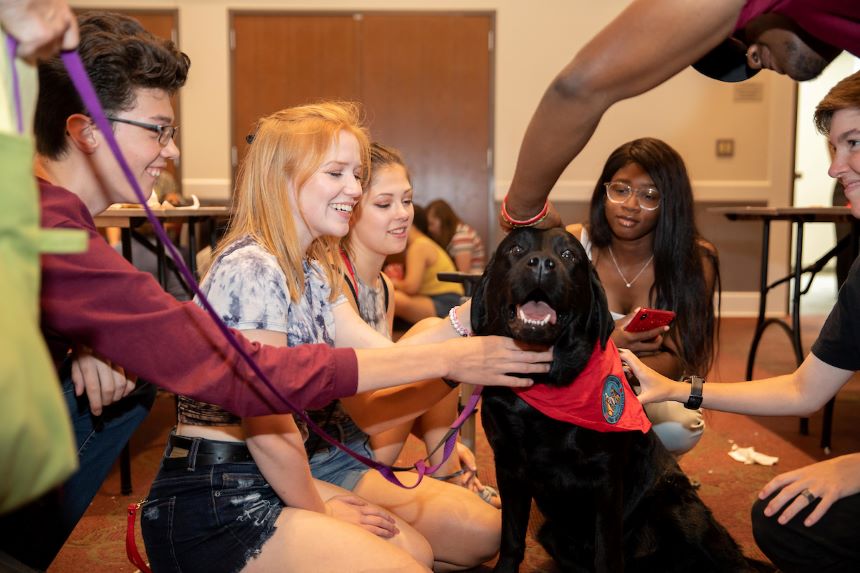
x: 599, y: 318
x: 480, y: 304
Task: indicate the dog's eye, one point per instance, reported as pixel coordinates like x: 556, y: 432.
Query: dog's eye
x: 567, y: 254
x: 517, y: 250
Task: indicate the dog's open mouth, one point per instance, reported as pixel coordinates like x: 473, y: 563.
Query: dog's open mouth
x: 533, y: 320
x: 536, y: 314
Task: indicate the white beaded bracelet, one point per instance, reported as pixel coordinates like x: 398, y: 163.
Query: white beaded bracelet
x: 456, y: 324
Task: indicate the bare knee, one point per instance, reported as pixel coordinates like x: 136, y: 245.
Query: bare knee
x: 417, y: 546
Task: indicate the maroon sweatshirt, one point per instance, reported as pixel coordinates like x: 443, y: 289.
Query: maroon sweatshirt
x: 98, y: 299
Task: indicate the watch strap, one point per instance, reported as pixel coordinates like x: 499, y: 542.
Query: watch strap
x: 694, y: 402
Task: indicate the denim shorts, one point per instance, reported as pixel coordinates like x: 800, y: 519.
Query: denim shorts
x: 212, y: 518
x: 332, y: 465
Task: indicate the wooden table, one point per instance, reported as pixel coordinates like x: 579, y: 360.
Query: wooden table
x: 798, y: 216
x: 129, y: 219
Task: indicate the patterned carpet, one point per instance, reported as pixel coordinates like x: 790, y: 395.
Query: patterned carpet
x: 728, y: 487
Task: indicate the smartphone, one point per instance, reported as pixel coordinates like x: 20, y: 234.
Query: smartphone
x: 650, y: 318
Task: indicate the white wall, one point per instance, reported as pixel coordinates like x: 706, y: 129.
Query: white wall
x: 534, y: 39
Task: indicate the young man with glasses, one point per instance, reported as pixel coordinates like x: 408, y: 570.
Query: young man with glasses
x: 643, y: 242
x: 98, y: 300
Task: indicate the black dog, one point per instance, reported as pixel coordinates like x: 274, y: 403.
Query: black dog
x: 613, y: 501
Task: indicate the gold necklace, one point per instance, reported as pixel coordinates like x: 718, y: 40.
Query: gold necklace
x: 629, y: 283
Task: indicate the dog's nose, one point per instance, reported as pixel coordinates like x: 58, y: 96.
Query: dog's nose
x: 547, y: 263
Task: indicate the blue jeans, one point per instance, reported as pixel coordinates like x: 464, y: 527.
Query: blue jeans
x: 35, y: 533
x: 209, y: 518
x: 332, y: 465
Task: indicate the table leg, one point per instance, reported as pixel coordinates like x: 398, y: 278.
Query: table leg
x: 125, y: 237
x: 162, y: 263
x: 795, y: 296
x: 795, y: 311
x: 192, y: 246
x: 762, y: 298
x: 125, y: 456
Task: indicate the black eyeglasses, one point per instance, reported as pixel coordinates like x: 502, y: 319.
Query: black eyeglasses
x: 648, y: 196
x: 165, y: 132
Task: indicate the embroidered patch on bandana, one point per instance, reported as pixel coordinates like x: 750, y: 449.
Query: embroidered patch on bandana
x: 613, y: 399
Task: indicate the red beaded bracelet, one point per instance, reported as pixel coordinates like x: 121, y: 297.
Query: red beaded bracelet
x: 528, y: 222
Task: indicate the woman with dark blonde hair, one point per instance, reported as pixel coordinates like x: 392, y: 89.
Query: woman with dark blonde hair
x: 237, y: 493
x: 643, y: 242
x: 427, y: 409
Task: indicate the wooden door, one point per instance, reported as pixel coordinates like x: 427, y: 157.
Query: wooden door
x: 424, y: 80
x: 427, y: 92
x: 280, y: 61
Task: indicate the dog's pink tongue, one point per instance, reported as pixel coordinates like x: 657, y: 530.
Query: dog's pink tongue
x: 538, y: 311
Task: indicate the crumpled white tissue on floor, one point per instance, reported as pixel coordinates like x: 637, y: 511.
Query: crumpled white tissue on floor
x: 750, y: 456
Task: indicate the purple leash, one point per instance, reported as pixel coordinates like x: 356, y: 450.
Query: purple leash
x: 79, y: 78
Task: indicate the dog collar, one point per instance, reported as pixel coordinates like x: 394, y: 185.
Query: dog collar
x: 599, y: 398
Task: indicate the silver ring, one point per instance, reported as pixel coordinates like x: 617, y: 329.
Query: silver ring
x: 810, y: 497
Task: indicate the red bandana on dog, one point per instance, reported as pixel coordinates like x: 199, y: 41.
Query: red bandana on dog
x: 599, y: 399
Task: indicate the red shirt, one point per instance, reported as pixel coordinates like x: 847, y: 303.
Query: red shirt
x: 599, y: 399
x: 99, y: 300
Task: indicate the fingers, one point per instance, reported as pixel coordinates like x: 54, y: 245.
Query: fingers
x: 71, y: 37
x: 77, y: 378
x: 503, y: 380
x: 130, y: 385
x: 823, y: 505
x: 795, y: 495
x: 364, y: 514
x: 776, y: 483
x: 375, y: 519
x: 103, y: 382
x: 467, y: 458
x: 88, y: 366
x: 796, y: 498
x: 789, y: 496
x: 379, y: 526
x: 631, y: 360
x: 509, y: 349
x: 41, y: 28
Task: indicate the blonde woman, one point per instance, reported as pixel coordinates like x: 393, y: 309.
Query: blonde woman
x: 236, y: 494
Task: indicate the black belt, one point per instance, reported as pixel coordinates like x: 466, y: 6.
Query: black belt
x: 205, y: 452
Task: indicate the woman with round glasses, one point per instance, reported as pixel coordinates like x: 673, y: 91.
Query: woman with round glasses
x: 643, y: 242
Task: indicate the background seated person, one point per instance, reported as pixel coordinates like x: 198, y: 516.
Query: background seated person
x: 460, y: 241
x: 420, y: 294
x: 643, y: 241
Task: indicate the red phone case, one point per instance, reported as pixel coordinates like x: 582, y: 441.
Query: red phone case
x: 649, y: 318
